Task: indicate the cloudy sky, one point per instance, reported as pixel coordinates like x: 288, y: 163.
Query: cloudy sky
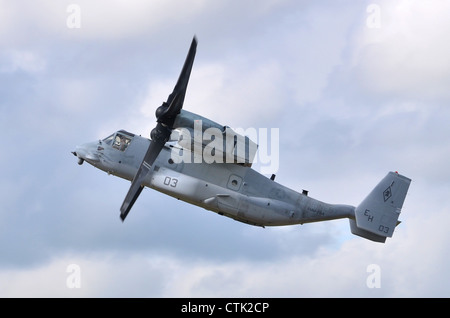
x: 356, y: 88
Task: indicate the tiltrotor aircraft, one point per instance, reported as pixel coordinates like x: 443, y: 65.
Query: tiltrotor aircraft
x: 229, y: 187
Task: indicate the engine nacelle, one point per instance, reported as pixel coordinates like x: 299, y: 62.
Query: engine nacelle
x: 212, y: 141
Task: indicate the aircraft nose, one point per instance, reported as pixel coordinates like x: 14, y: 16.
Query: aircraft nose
x: 85, y: 152
x: 80, y: 153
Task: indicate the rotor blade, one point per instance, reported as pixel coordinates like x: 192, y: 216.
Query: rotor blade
x: 166, y: 115
x: 176, y: 98
x: 136, y: 185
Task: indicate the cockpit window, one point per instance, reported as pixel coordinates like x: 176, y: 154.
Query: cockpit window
x: 108, y: 140
x: 121, y: 141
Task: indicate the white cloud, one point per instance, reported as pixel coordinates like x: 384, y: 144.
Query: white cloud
x: 123, y: 20
x: 227, y: 93
x: 406, y: 55
x: 107, y: 20
x: 234, y: 94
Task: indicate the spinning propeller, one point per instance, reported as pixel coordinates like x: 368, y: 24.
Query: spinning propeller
x: 165, y: 115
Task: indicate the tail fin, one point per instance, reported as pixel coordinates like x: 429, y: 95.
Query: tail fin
x: 377, y: 215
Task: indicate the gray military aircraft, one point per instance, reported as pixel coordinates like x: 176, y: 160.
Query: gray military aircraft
x: 228, y: 187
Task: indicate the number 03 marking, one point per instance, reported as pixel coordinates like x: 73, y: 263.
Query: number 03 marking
x: 171, y: 182
x: 383, y: 229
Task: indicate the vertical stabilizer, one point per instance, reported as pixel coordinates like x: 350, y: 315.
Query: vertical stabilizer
x: 377, y: 215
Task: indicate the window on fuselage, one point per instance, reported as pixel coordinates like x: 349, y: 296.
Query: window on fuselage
x: 108, y: 140
x: 121, y: 141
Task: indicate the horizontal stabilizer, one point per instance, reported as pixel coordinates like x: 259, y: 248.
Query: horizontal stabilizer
x: 366, y: 234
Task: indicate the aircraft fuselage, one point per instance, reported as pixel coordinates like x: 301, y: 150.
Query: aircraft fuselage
x: 229, y: 189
